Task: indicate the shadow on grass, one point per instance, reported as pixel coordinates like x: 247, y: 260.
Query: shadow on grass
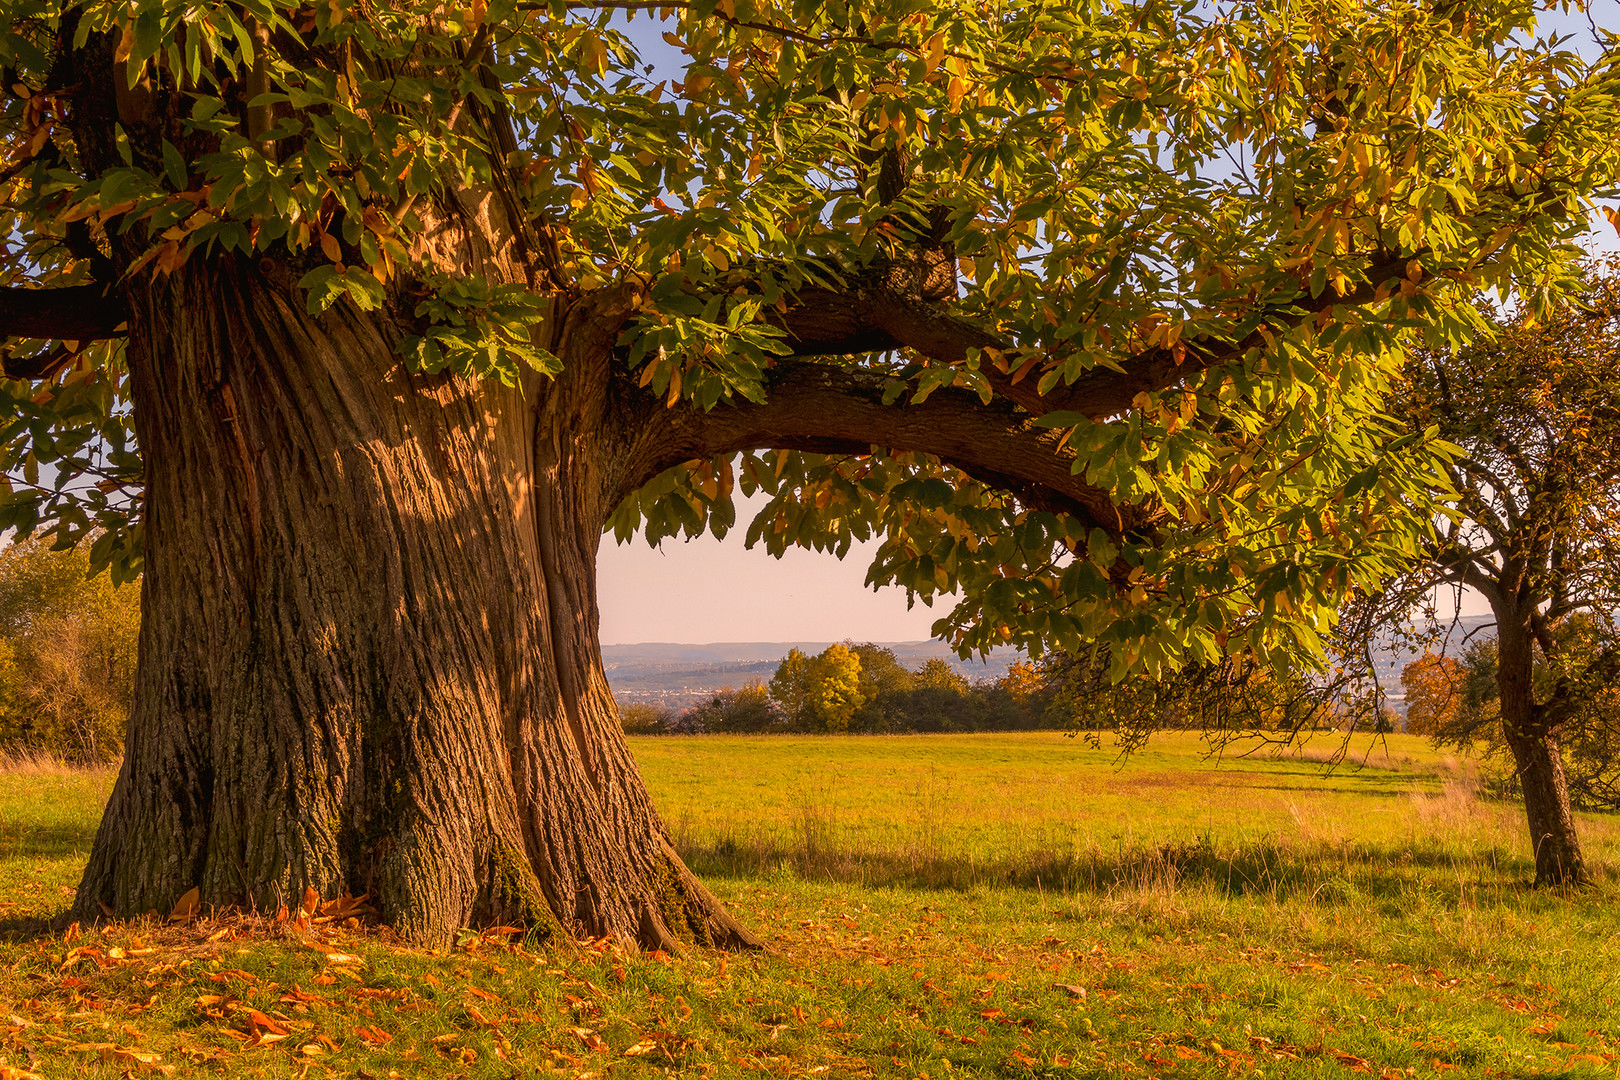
x: 1318, y: 872
x: 25, y: 929
x: 45, y: 841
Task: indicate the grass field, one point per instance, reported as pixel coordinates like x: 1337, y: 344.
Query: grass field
x: 986, y: 905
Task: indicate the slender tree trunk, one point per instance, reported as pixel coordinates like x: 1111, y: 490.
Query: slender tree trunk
x: 1539, y: 763
x: 369, y: 658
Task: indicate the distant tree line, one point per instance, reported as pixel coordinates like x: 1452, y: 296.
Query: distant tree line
x: 864, y: 689
x: 860, y: 689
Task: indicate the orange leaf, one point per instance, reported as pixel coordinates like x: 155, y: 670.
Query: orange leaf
x: 126, y: 43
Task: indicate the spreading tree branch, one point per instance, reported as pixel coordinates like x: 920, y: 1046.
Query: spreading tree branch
x: 822, y: 408
x: 75, y: 313
x: 875, y: 316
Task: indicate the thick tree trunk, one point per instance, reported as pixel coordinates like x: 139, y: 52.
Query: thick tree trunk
x: 1540, y: 765
x: 369, y: 658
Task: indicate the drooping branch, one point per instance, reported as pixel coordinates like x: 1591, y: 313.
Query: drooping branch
x: 75, y: 313
x: 825, y: 409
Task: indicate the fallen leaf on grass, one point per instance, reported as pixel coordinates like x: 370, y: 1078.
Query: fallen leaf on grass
x: 372, y: 1035
x: 114, y: 1052
x: 8, y: 1073
x: 1070, y: 989
x: 343, y: 907
x: 186, y: 908
x: 481, y: 1019
x: 589, y: 1038
x: 639, y: 1049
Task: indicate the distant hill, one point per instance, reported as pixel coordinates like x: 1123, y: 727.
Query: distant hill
x: 679, y: 675
x: 1389, y: 658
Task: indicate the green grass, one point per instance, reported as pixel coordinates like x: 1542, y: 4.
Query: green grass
x: 936, y: 906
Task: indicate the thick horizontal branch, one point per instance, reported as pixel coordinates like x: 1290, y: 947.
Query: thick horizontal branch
x: 876, y: 317
x: 74, y: 313
x: 826, y: 409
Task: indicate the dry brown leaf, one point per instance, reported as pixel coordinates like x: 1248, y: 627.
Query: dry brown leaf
x: 186, y: 908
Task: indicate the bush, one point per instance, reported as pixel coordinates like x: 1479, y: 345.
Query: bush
x: 738, y: 711
x: 641, y: 719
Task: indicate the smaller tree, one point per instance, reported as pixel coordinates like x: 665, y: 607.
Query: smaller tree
x: 885, y: 686
x: 790, y: 687
x: 67, y: 670
x: 833, y: 689
x: 937, y: 674
x: 1534, y: 411
x: 1022, y: 684
x: 1434, y: 685
x: 821, y: 692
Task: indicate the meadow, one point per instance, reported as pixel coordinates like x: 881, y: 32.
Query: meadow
x: 935, y: 906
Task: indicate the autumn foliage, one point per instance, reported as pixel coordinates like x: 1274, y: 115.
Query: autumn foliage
x: 1434, y: 688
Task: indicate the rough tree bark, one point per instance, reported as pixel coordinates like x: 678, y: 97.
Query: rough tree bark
x: 1531, y: 734
x: 369, y: 658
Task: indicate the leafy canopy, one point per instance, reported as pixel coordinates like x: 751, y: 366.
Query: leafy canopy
x: 1191, y: 241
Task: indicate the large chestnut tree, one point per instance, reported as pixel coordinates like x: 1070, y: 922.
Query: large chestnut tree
x: 352, y: 324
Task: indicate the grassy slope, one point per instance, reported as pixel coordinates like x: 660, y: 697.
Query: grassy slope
x: 1188, y: 921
